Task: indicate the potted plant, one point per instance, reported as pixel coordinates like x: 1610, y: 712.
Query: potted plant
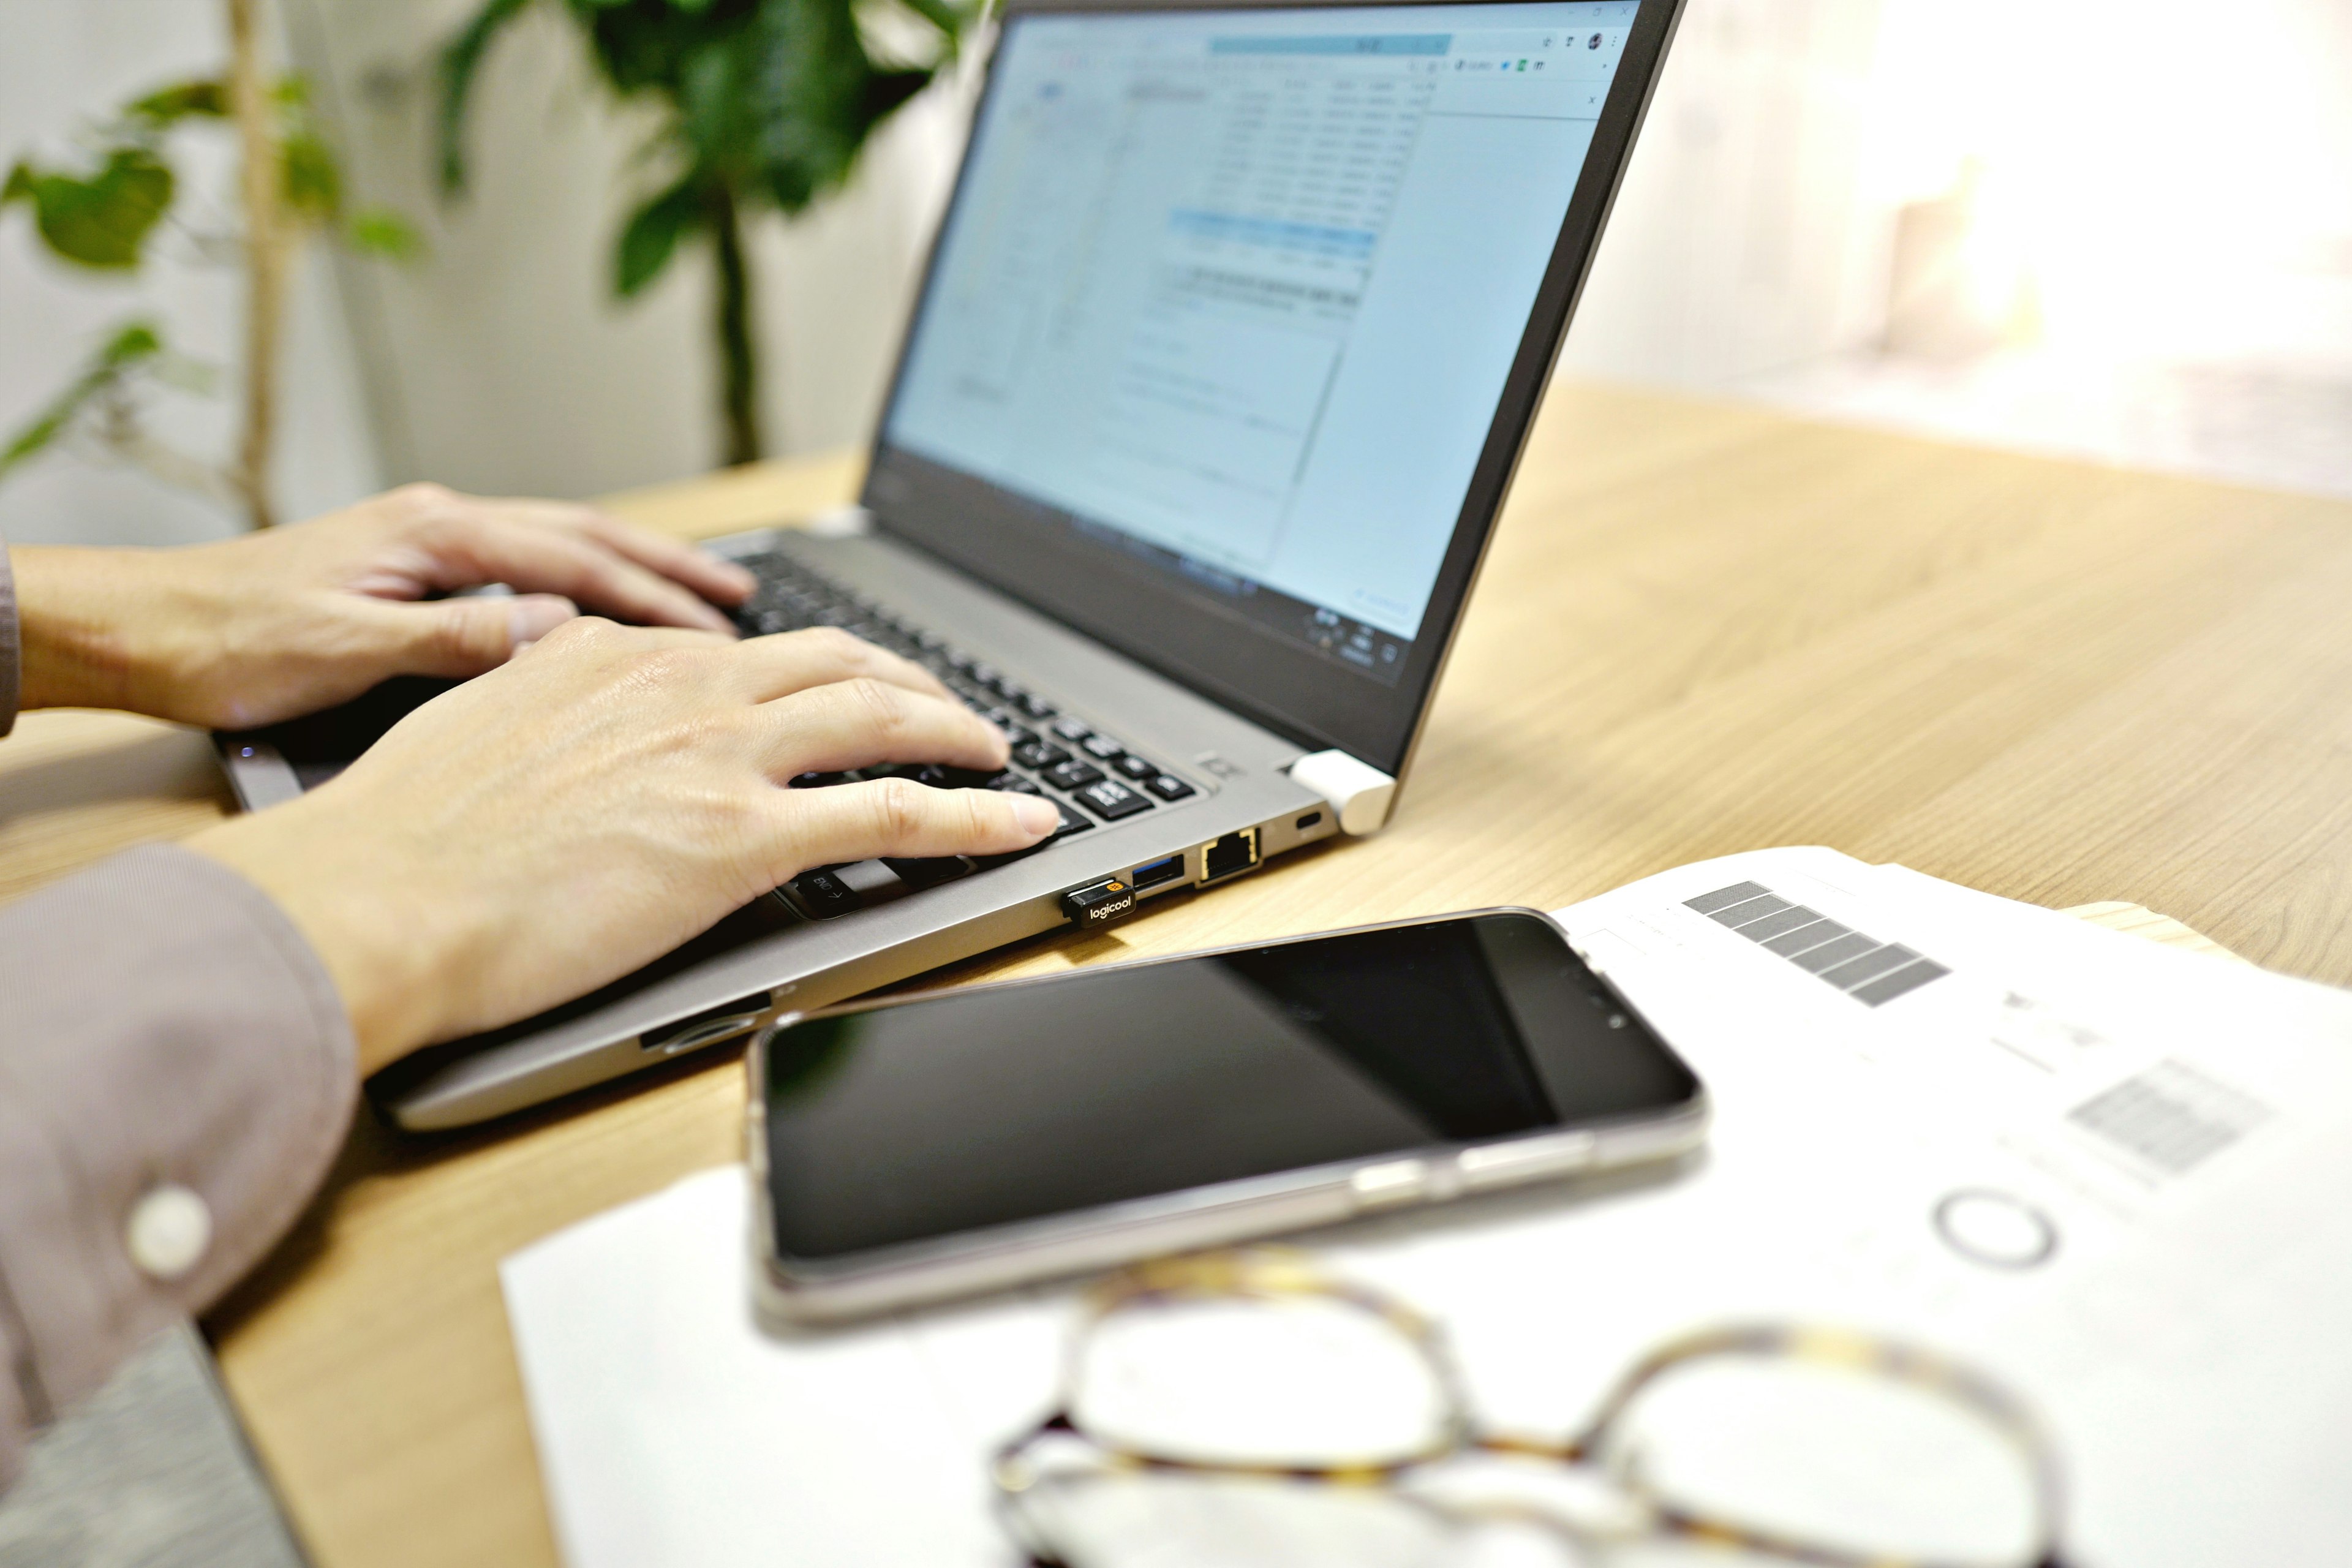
x: 764, y: 104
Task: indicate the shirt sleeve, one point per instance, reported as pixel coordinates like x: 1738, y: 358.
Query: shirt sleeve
x: 176, y: 1074
x: 11, y: 650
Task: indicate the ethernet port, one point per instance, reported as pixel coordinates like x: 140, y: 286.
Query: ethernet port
x: 1229, y: 855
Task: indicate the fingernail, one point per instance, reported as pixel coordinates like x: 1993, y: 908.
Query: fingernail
x: 531, y: 616
x: 1039, y: 817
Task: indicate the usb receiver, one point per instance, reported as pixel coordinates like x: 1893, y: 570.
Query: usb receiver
x: 1099, y: 904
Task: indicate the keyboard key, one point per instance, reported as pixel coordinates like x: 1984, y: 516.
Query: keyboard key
x: 1137, y: 768
x: 1009, y: 780
x: 1039, y: 754
x: 922, y: 874
x: 1034, y: 705
x: 1102, y: 748
x: 1167, y: 786
x: 1112, y: 800
x: 824, y: 895
x: 1072, y: 774
x: 939, y: 776
x: 1071, y: 730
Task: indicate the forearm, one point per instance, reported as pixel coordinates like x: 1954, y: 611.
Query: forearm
x: 175, y: 1077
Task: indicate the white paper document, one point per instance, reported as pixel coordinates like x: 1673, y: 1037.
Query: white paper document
x: 2116, y: 1176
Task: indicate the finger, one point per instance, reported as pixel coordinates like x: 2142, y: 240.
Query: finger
x: 722, y: 581
x: 777, y: 666
x: 856, y: 723
x: 900, y: 818
x: 459, y: 638
x: 487, y: 548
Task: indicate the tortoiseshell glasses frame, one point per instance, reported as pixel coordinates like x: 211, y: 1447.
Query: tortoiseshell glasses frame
x: 1274, y: 1275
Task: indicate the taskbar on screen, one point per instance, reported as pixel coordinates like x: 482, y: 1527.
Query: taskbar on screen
x: 1351, y: 643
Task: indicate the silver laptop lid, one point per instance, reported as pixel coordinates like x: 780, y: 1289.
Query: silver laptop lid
x: 1237, y: 321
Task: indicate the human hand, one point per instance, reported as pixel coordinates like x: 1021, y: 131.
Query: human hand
x: 269, y: 625
x: 599, y: 800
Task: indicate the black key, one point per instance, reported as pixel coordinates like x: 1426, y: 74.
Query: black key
x: 1112, y: 800
x: 1005, y: 718
x: 1137, y: 768
x: 922, y: 874
x: 983, y: 675
x: 939, y: 776
x: 1071, y: 730
x: 1009, y: 780
x: 1012, y: 694
x: 1039, y: 754
x: 824, y: 895
x: 1017, y: 735
x: 1102, y: 748
x: 1034, y: 705
x: 1167, y: 786
x: 1072, y: 774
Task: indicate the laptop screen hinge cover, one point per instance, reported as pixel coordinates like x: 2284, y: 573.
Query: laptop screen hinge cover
x: 1359, y: 793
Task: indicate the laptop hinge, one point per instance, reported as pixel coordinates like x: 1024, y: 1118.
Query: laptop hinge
x: 1359, y: 793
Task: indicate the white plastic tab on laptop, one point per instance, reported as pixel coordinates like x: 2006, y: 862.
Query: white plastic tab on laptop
x: 1359, y: 792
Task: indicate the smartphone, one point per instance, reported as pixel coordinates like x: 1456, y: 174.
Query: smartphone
x: 963, y: 1141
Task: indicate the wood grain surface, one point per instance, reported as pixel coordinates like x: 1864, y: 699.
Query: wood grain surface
x: 1703, y: 628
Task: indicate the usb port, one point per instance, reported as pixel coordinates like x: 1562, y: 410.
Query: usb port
x: 1146, y: 878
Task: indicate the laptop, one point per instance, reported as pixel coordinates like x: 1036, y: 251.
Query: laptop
x: 1228, y: 344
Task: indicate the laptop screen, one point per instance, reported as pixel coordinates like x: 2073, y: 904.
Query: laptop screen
x: 1232, y: 296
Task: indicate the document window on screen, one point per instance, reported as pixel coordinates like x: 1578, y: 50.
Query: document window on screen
x: 1237, y: 292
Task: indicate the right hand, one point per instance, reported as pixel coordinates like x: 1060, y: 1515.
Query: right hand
x: 605, y: 796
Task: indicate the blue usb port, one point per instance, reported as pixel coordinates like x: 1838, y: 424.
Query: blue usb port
x: 1149, y: 877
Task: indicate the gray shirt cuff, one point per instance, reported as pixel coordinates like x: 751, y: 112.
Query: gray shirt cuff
x: 12, y: 652
x: 164, y: 1025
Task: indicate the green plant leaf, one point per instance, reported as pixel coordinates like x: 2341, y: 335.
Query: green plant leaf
x: 651, y: 235
x: 121, y: 355
x: 102, y: 221
x: 380, y: 231
x: 311, y: 181
x: 190, y: 99
x: 461, y: 60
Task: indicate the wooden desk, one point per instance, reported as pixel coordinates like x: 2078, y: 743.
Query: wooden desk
x: 1704, y: 628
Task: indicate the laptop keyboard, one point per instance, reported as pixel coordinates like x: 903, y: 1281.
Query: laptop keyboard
x: 1091, y: 776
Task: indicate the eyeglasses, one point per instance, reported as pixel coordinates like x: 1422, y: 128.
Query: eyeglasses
x: 1244, y: 1410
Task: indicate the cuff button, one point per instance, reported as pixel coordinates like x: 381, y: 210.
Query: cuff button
x: 170, y: 1228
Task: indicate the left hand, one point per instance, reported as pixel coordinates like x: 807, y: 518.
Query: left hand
x: 271, y: 625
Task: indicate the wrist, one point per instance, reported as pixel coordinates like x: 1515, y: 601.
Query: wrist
x: 378, y: 942
x: 84, y: 618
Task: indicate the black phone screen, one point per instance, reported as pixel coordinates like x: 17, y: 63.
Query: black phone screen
x: 1013, y: 1102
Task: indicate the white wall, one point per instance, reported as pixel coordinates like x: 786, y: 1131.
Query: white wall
x: 1740, y: 240
x: 64, y: 65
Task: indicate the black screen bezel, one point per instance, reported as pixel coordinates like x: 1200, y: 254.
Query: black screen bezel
x: 1026, y: 550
